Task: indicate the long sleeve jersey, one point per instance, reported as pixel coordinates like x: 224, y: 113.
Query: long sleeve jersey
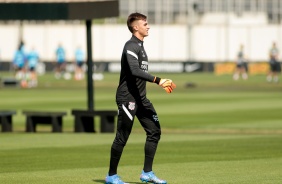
x: 134, y: 71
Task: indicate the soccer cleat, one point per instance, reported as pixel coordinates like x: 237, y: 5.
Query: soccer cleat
x: 151, y: 178
x: 114, y: 179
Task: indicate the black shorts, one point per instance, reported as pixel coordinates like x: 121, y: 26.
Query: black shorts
x: 31, y: 69
x: 61, y: 66
x: 275, y: 67
x: 19, y: 67
x: 147, y: 116
x: 240, y: 65
x: 79, y: 64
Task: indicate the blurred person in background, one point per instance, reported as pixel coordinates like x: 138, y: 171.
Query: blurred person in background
x: 79, y: 60
x: 61, y: 61
x: 273, y: 63
x: 240, y: 65
x: 33, y: 59
x: 19, y: 62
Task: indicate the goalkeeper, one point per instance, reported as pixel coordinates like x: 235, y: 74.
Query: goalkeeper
x: 132, y: 101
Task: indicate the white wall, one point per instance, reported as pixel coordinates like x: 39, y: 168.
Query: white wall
x: 9, y: 36
x: 164, y: 43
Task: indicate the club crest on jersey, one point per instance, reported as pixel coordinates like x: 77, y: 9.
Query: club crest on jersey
x: 155, y: 117
x: 131, y: 106
x: 143, y: 54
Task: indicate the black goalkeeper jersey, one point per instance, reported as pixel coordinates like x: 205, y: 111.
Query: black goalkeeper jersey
x: 134, y: 72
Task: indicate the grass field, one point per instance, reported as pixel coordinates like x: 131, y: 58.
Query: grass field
x: 216, y: 131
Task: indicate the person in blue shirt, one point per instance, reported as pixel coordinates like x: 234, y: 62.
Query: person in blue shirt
x: 33, y: 59
x: 19, y: 61
x: 61, y: 61
x: 79, y: 60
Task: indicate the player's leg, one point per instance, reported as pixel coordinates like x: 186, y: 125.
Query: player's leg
x: 78, y: 71
x: 270, y: 74
x: 58, y: 70
x: 236, y: 74
x: 33, y: 77
x: 150, y: 122
x: 126, y: 113
x: 275, y: 72
x: 244, y: 73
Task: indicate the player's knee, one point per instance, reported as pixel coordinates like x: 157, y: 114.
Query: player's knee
x: 154, y: 136
x: 121, y: 140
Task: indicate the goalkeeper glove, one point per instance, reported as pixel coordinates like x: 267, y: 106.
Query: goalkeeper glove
x: 167, y: 85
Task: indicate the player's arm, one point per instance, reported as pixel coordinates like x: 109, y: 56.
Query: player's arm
x: 131, y: 52
x: 132, y: 58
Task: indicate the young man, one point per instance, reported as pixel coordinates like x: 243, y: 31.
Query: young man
x: 273, y: 63
x: 33, y: 59
x: 19, y: 61
x: 79, y: 60
x: 240, y: 65
x: 131, y: 100
x: 61, y: 61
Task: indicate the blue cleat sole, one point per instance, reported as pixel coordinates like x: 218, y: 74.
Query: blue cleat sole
x: 146, y: 181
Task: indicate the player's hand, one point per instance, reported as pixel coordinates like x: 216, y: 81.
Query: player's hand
x: 167, y: 85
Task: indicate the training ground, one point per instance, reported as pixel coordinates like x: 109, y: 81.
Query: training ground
x: 215, y: 131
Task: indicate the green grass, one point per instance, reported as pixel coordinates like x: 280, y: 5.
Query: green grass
x: 181, y: 158
x: 218, y: 132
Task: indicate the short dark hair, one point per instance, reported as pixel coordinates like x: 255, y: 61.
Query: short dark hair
x: 133, y: 17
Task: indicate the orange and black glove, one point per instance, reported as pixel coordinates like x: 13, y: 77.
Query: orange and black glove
x: 167, y: 85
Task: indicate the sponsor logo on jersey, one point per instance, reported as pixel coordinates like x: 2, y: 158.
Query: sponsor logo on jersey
x: 144, y: 66
x: 131, y: 106
x: 145, y: 62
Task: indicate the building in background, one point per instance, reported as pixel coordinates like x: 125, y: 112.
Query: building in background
x: 201, y: 31
x: 180, y: 11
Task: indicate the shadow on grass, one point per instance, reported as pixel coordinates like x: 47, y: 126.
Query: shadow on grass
x: 103, y: 181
